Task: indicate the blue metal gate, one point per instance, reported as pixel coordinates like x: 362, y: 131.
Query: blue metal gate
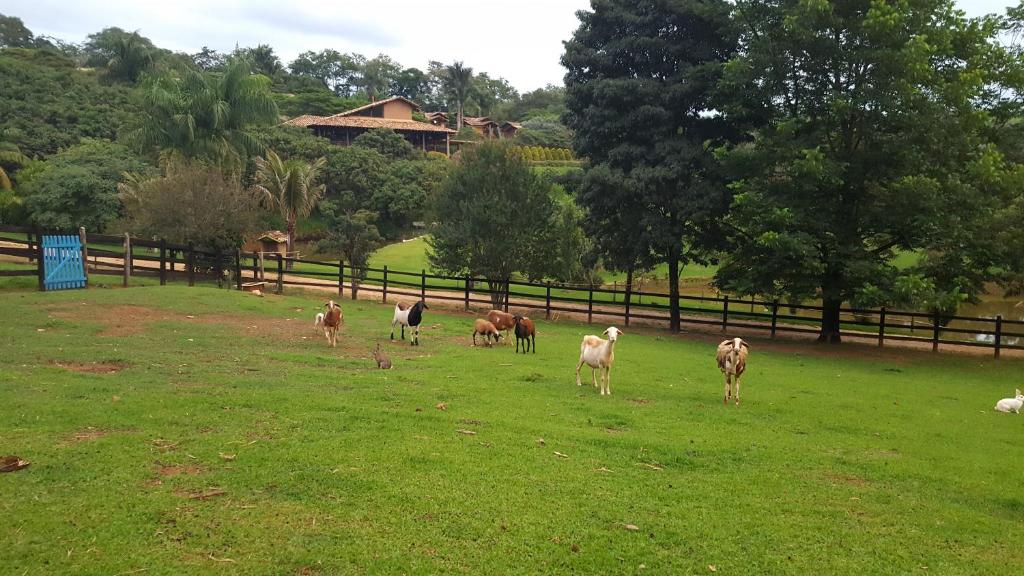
x: 62, y: 260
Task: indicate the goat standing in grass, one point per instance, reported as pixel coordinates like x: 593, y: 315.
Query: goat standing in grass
x: 525, y: 331
x: 485, y: 329
x: 318, y: 322
x: 732, y: 361
x: 503, y: 321
x: 332, y: 320
x: 599, y: 355
x: 411, y: 316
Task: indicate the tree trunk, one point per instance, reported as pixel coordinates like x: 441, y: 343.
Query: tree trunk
x: 497, y: 288
x: 291, y: 242
x: 830, y: 321
x: 673, y: 288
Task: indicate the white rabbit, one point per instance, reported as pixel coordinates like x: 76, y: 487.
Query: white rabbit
x: 1011, y: 404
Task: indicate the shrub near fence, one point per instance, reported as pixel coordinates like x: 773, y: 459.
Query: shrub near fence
x: 168, y: 261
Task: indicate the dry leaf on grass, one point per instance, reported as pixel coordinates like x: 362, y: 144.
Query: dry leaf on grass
x: 541, y: 441
x: 12, y: 463
x: 211, y: 557
x: 632, y: 527
x: 441, y: 406
x: 466, y: 432
x: 560, y: 455
x: 228, y: 457
x: 651, y: 466
x: 208, y: 494
x: 712, y: 567
x: 602, y: 469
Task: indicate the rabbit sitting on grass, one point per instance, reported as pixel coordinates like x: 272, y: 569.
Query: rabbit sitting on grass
x: 383, y: 362
x: 1011, y: 404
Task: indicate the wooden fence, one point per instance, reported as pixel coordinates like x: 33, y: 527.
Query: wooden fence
x: 126, y: 257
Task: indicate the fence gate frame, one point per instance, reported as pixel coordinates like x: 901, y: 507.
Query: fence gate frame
x: 63, y: 266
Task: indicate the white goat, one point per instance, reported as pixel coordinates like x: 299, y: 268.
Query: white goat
x: 732, y: 361
x: 599, y: 354
x: 318, y: 322
x: 1011, y: 404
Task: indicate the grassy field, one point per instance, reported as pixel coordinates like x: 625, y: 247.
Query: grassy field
x: 203, y: 431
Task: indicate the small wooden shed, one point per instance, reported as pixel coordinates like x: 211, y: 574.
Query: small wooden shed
x: 271, y: 241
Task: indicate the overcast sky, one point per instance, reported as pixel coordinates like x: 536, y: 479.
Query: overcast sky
x: 520, y: 40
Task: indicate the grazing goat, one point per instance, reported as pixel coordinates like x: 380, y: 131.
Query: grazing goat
x: 411, y: 316
x: 525, y: 331
x: 732, y: 361
x: 503, y: 321
x: 382, y: 360
x: 332, y: 320
x: 1011, y: 404
x: 485, y: 329
x: 318, y: 322
x: 599, y: 354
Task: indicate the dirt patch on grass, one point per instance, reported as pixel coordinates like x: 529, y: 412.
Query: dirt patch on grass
x: 123, y: 320
x: 93, y: 367
x: 847, y: 479
x: 87, y: 434
x: 170, y: 470
x: 638, y: 401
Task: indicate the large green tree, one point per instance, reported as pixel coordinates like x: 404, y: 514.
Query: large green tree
x: 206, y: 115
x: 458, y: 88
x: 495, y: 218
x: 639, y: 93
x: 377, y: 76
x: 868, y: 124
x: 131, y: 55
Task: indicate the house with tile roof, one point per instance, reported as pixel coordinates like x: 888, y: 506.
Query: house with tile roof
x: 394, y: 113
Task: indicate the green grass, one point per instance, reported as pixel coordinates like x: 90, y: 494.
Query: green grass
x: 834, y: 464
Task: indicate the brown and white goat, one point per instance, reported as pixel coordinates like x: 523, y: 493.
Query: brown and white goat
x: 485, y: 329
x: 332, y: 320
x: 732, y: 361
x: 503, y: 321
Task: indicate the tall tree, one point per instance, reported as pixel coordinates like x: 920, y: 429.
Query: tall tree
x: 639, y: 94
x: 338, y: 72
x: 412, y: 83
x: 289, y: 187
x: 458, y: 87
x: 869, y: 124
x: 262, y: 60
x: 492, y: 179
x: 209, y: 59
x: 204, y: 115
x: 378, y: 75
x: 14, y: 34
x: 130, y: 56
x: 354, y: 235
x: 101, y: 46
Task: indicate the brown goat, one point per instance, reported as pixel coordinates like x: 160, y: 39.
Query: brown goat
x: 525, y: 331
x: 332, y: 320
x: 502, y: 321
x: 485, y: 329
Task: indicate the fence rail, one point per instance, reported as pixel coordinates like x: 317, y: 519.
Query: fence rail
x: 121, y: 255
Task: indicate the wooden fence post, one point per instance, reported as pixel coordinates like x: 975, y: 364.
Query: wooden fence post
x: 255, y: 267
x: 999, y: 334
x: 40, y: 266
x: 238, y: 268
x: 163, y: 262
x: 935, y: 331
x: 190, y: 261
x: 629, y: 298
x: 465, y: 294
x: 547, y: 301
x: 384, y: 293
x: 341, y: 279
x: 83, y: 240
x: 725, y: 313
x: 127, y: 259
x: 507, y: 282
x: 280, y: 273
x: 775, y: 316
x: 881, y: 327
x: 590, y: 306
x: 423, y: 285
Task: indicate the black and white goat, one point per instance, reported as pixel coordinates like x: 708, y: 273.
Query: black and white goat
x: 411, y: 316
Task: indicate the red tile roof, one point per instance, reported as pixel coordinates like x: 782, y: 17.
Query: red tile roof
x: 368, y: 123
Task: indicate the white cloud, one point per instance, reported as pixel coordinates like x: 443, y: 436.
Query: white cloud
x: 520, y: 40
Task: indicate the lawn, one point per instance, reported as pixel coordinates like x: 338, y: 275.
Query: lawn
x: 201, y: 431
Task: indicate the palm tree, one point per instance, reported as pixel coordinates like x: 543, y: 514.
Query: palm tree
x: 11, y: 156
x: 458, y: 85
x: 131, y: 57
x: 206, y: 115
x: 288, y: 186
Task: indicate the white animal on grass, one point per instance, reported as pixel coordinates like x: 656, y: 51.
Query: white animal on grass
x: 412, y: 316
x: 1011, y: 404
x: 732, y: 361
x: 599, y: 355
x: 332, y: 320
x: 318, y: 322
